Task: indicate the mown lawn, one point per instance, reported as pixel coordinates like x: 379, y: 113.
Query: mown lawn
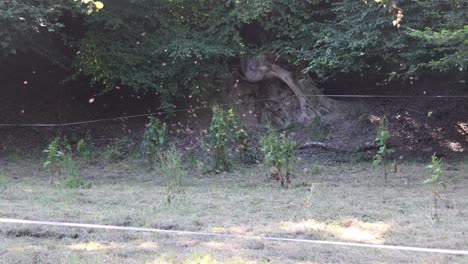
x: 327, y: 201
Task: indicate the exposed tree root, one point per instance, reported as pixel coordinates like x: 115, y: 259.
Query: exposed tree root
x: 256, y: 69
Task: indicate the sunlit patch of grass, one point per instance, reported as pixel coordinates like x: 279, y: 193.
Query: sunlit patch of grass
x: 201, y: 259
x: 92, y: 246
x: 355, y: 230
x: 149, y: 245
x: 24, y: 249
x: 218, y: 245
x: 308, y: 225
x: 349, y: 229
x: 229, y: 230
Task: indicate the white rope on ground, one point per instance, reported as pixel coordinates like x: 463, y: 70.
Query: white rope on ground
x: 193, y: 233
x: 230, y: 104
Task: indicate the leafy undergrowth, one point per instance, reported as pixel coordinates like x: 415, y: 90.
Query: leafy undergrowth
x: 330, y: 201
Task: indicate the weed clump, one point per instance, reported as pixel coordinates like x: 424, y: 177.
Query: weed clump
x: 59, y: 161
x: 54, y: 160
x: 172, y: 167
x: 227, y: 132
x: 278, y: 153
x: 155, y: 139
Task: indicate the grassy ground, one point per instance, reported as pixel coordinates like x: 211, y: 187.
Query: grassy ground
x: 330, y: 201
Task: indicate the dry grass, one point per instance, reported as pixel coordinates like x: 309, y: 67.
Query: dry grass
x: 340, y: 202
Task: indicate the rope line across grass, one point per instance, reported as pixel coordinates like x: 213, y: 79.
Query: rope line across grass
x: 229, y: 104
x: 193, y: 233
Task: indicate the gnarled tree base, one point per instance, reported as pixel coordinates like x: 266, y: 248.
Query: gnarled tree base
x: 277, y: 95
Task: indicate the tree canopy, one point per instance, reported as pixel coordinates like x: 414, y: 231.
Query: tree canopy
x: 175, y: 47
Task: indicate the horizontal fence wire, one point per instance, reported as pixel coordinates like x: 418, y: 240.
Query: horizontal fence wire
x: 163, y: 111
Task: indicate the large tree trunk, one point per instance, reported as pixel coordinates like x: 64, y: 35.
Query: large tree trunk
x: 311, y: 105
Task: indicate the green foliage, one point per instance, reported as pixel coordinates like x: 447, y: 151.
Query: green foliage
x: 170, y: 48
x: 72, y: 179
x: 238, y: 133
x: 437, y: 171
x: 219, y: 133
x: 227, y: 128
x: 176, y: 48
x: 60, y: 161
x: 278, y: 152
x: 55, y: 158
x: 172, y: 167
x: 54, y: 153
x: 83, y: 149
x: 450, y: 47
x: 382, y: 140
x: 434, y: 180
x: 339, y: 38
x: 36, y: 27
x: 155, y: 138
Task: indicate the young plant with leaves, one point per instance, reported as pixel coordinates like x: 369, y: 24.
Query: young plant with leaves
x: 434, y: 180
x: 382, y: 141
x: 60, y: 161
x: 55, y: 158
x: 155, y: 139
x: 278, y: 152
x: 219, y: 133
x: 172, y: 168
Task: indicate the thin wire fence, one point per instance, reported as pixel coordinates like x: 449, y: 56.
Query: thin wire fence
x: 161, y: 111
